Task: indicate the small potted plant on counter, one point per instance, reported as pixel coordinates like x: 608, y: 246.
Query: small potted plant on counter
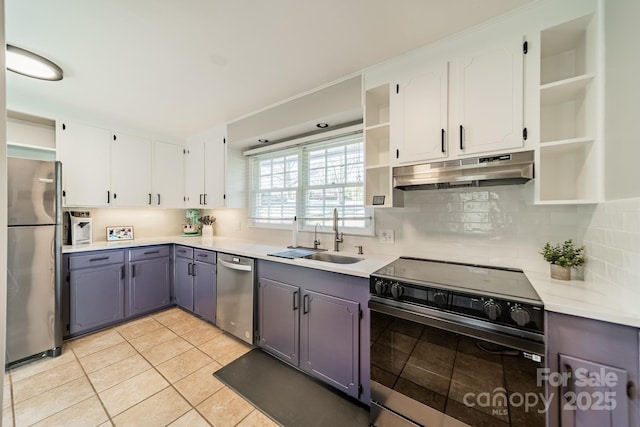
x: 562, y: 257
x: 207, y: 225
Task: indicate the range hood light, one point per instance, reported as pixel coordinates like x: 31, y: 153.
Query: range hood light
x: 322, y: 125
x: 29, y: 64
x: 263, y: 141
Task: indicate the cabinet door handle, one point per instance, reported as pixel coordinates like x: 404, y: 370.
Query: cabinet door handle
x: 108, y: 196
x: 149, y: 198
x: 397, y: 153
x: 189, y: 269
x: 152, y: 252
x: 295, y: 300
x: 461, y: 137
x: 133, y: 270
x: 631, y: 390
x: 205, y: 199
x: 193, y: 270
x: 122, y: 272
x: 442, y: 135
x: 305, y: 304
x: 158, y: 198
x: 569, y: 386
x: 102, y: 258
x: 201, y: 198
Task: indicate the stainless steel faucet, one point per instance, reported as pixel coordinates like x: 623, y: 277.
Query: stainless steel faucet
x: 337, y: 237
x: 316, y: 242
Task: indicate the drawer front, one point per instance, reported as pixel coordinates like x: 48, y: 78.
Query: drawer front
x: 149, y: 252
x: 204, y: 256
x: 184, y: 252
x: 96, y: 259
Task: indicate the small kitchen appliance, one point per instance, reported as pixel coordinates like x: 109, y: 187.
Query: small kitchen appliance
x: 446, y: 335
x: 79, y: 225
x: 192, y: 228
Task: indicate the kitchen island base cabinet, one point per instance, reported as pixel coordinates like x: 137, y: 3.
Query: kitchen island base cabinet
x: 149, y: 287
x: 314, y: 320
x: 593, y: 372
x: 96, y: 285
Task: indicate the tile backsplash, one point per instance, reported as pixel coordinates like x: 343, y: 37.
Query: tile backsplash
x: 495, y: 226
x: 611, y: 232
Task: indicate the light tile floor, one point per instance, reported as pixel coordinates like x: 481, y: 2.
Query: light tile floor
x: 152, y: 371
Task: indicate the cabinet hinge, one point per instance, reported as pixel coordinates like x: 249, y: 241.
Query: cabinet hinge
x: 524, y: 134
x: 525, y: 47
x: 397, y: 88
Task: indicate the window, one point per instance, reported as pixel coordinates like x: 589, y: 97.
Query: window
x: 309, y: 182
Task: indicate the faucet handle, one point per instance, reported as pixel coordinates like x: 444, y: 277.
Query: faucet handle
x: 359, y: 247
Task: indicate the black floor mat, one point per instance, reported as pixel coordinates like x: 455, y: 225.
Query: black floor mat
x: 288, y: 396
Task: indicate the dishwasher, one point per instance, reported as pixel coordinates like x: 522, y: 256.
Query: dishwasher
x: 235, y: 296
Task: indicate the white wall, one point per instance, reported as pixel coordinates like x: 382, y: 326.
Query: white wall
x: 145, y: 222
x: 3, y: 202
x: 622, y: 139
x: 496, y: 226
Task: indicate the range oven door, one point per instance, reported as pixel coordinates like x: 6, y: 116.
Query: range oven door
x: 430, y: 372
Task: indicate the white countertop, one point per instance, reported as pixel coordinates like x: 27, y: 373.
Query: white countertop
x: 369, y: 263
x: 568, y: 297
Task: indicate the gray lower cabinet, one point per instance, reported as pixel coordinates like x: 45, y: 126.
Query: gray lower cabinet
x: 96, y: 290
x: 149, y: 287
x: 204, y: 284
x: 195, y: 281
x: 183, y: 279
x: 313, y: 320
x: 593, y: 372
x: 279, y: 319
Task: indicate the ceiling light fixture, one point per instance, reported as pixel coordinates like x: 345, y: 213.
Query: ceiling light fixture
x: 32, y: 65
x: 263, y: 141
x: 322, y: 125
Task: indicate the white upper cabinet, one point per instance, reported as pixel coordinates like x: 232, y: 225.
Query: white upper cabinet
x: 205, y: 170
x: 130, y: 171
x: 488, y: 110
x: 419, y: 116
x: 168, y: 175
x: 85, y: 153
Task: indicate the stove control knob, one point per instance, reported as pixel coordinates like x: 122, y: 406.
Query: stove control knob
x: 381, y: 287
x: 440, y: 298
x: 492, y: 309
x: 397, y: 290
x: 520, y: 315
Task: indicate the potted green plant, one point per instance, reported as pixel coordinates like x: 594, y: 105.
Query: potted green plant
x: 562, y: 257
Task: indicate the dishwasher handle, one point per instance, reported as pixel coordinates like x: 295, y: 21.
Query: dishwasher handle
x: 239, y: 267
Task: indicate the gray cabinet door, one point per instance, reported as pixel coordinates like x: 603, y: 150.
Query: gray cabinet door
x: 204, y: 290
x: 183, y: 283
x: 97, y: 297
x: 279, y: 319
x: 594, y: 394
x: 149, y: 285
x: 329, y: 340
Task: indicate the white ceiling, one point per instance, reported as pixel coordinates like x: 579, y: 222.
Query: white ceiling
x: 174, y: 68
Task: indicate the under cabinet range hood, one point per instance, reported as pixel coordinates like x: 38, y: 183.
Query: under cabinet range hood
x: 502, y: 169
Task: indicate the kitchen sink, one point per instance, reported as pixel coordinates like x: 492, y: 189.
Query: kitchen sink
x: 337, y: 259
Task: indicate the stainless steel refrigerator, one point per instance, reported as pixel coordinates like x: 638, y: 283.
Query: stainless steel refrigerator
x: 34, y: 255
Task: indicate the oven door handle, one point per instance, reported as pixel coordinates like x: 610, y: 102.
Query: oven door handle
x: 437, y: 319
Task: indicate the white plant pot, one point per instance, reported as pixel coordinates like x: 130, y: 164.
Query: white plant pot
x: 207, y: 231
